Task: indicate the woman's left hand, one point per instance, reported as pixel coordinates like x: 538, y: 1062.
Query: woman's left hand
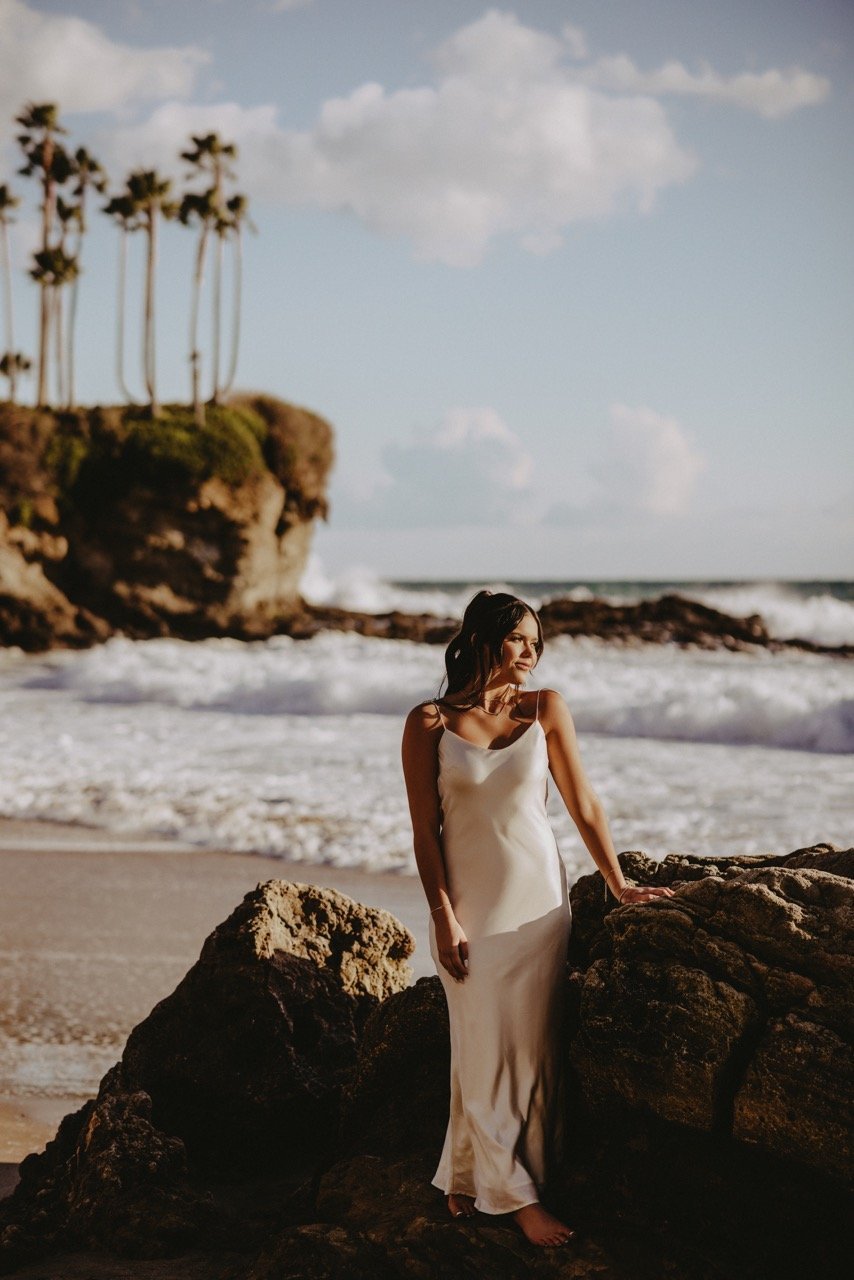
x: 645, y: 893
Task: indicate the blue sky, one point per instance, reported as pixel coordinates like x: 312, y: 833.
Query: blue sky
x: 572, y: 280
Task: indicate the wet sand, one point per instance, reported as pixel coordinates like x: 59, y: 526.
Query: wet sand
x: 95, y: 931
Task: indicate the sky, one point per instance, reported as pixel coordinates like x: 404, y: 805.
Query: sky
x: 573, y: 280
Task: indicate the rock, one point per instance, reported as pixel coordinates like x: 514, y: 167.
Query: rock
x: 708, y: 1101
x: 423, y: 628
x: 710, y: 1047
x: 365, y: 949
x: 669, y: 1008
x: 391, y: 1203
x: 405, y: 1039
x: 261, y: 1033
x: 321, y: 1252
x: 668, y: 619
x: 710, y: 1003
x: 190, y: 563
x: 109, y: 1178
x: 795, y: 1097
x: 115, y: 522
x: 34, y: 614
x: 239, y: 1071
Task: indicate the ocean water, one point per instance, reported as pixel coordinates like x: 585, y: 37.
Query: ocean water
x: 292, y: 747
x: 822, y: 611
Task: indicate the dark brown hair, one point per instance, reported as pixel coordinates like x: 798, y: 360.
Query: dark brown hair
x: 475, y: 650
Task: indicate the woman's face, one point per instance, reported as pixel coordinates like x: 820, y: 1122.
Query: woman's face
x: 519, y: 651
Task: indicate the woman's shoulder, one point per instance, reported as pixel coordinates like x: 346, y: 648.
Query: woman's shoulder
x: 549, y: 704
x: 425, y: 716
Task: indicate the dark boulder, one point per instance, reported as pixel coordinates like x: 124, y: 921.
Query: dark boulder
x: 240, y: 1070
x: 708, y: 1101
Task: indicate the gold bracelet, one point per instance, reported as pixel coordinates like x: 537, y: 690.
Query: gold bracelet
x: 441, y: 907
x: 618, y: 896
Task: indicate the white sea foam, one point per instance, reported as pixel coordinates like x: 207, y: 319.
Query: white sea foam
x: 796, y: 701
x: 788, y: 612
x: 293, y: 747
x: 363, y: 590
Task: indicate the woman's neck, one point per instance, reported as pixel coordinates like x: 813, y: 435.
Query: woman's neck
x: 498, y: 697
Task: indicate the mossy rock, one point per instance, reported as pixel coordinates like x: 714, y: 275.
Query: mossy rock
x: 113, y: 451
x: 83, y: 457
x: 298, y: 448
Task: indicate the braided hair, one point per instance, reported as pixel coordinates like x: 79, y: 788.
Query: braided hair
x: 475, y: 650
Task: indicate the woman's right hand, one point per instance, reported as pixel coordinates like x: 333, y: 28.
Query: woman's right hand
x: 451, y: 943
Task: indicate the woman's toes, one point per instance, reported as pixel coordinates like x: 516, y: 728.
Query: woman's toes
x: 461, y: 1206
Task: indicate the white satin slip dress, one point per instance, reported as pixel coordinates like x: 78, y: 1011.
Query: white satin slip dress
x: 507, y: 884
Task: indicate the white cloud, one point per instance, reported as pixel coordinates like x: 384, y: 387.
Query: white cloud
x: 470, y: 470
x: 771, y: 93
x: 502, y: 143
x: 575, y: 40
x: 160, y: 139
x: 650, y: 465
x: 513, y: 136
x: 67, y: 60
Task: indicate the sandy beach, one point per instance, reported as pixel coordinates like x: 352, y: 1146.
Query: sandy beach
x: 95, y: 931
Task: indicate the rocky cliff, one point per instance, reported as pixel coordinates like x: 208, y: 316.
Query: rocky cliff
x: 110, y: 522
x: 281, y: 1113
x: 114, y: 522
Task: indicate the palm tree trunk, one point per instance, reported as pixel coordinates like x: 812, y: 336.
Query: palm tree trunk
x: 148, y: 345
x: 238, y: 289
x: 217, y: 317
x: 120, y: 318
x: 44, y: 338
x: 72, y: 321
x: 69, y: 346
x: 56, y: 318
x: 9, y: 312
x: 198, y: 279
x: 44, y: 289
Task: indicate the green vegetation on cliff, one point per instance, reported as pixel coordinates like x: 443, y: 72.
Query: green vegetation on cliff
x: 80, y: 457
x: 122, y: 449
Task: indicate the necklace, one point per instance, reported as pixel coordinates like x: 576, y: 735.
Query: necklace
x: 499, y: 704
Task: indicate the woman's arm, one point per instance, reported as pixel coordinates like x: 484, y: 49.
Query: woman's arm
x: 421, y: 773
x: 581, y: 800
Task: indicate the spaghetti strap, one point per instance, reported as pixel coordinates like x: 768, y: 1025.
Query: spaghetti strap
x: 439, y: 713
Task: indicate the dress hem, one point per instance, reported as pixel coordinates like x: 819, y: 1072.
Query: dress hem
x: 527, y: 1194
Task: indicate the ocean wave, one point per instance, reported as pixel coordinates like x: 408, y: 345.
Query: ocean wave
x: 787, y: 613
x: 792, y: 701
x: 331, y: 791
x: 789, y: 610
x: 293, y: 747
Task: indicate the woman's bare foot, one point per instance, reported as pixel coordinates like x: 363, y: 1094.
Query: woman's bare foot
x: 461, y: 1206
x: 541, y: 1227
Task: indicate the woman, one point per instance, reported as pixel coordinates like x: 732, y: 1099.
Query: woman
x: 476, y: 764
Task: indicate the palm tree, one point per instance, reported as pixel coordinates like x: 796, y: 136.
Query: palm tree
x: 11, y: 364
x: 67, y: 216
x: 89, y: 173
x: 197, y: 208
x: 53, y: 268
x: 210, y: 155
x: 46, y: 157
x: 126, y: 214
x: 150, y: 195
x: 237, y: 210
x: 8, y: 201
